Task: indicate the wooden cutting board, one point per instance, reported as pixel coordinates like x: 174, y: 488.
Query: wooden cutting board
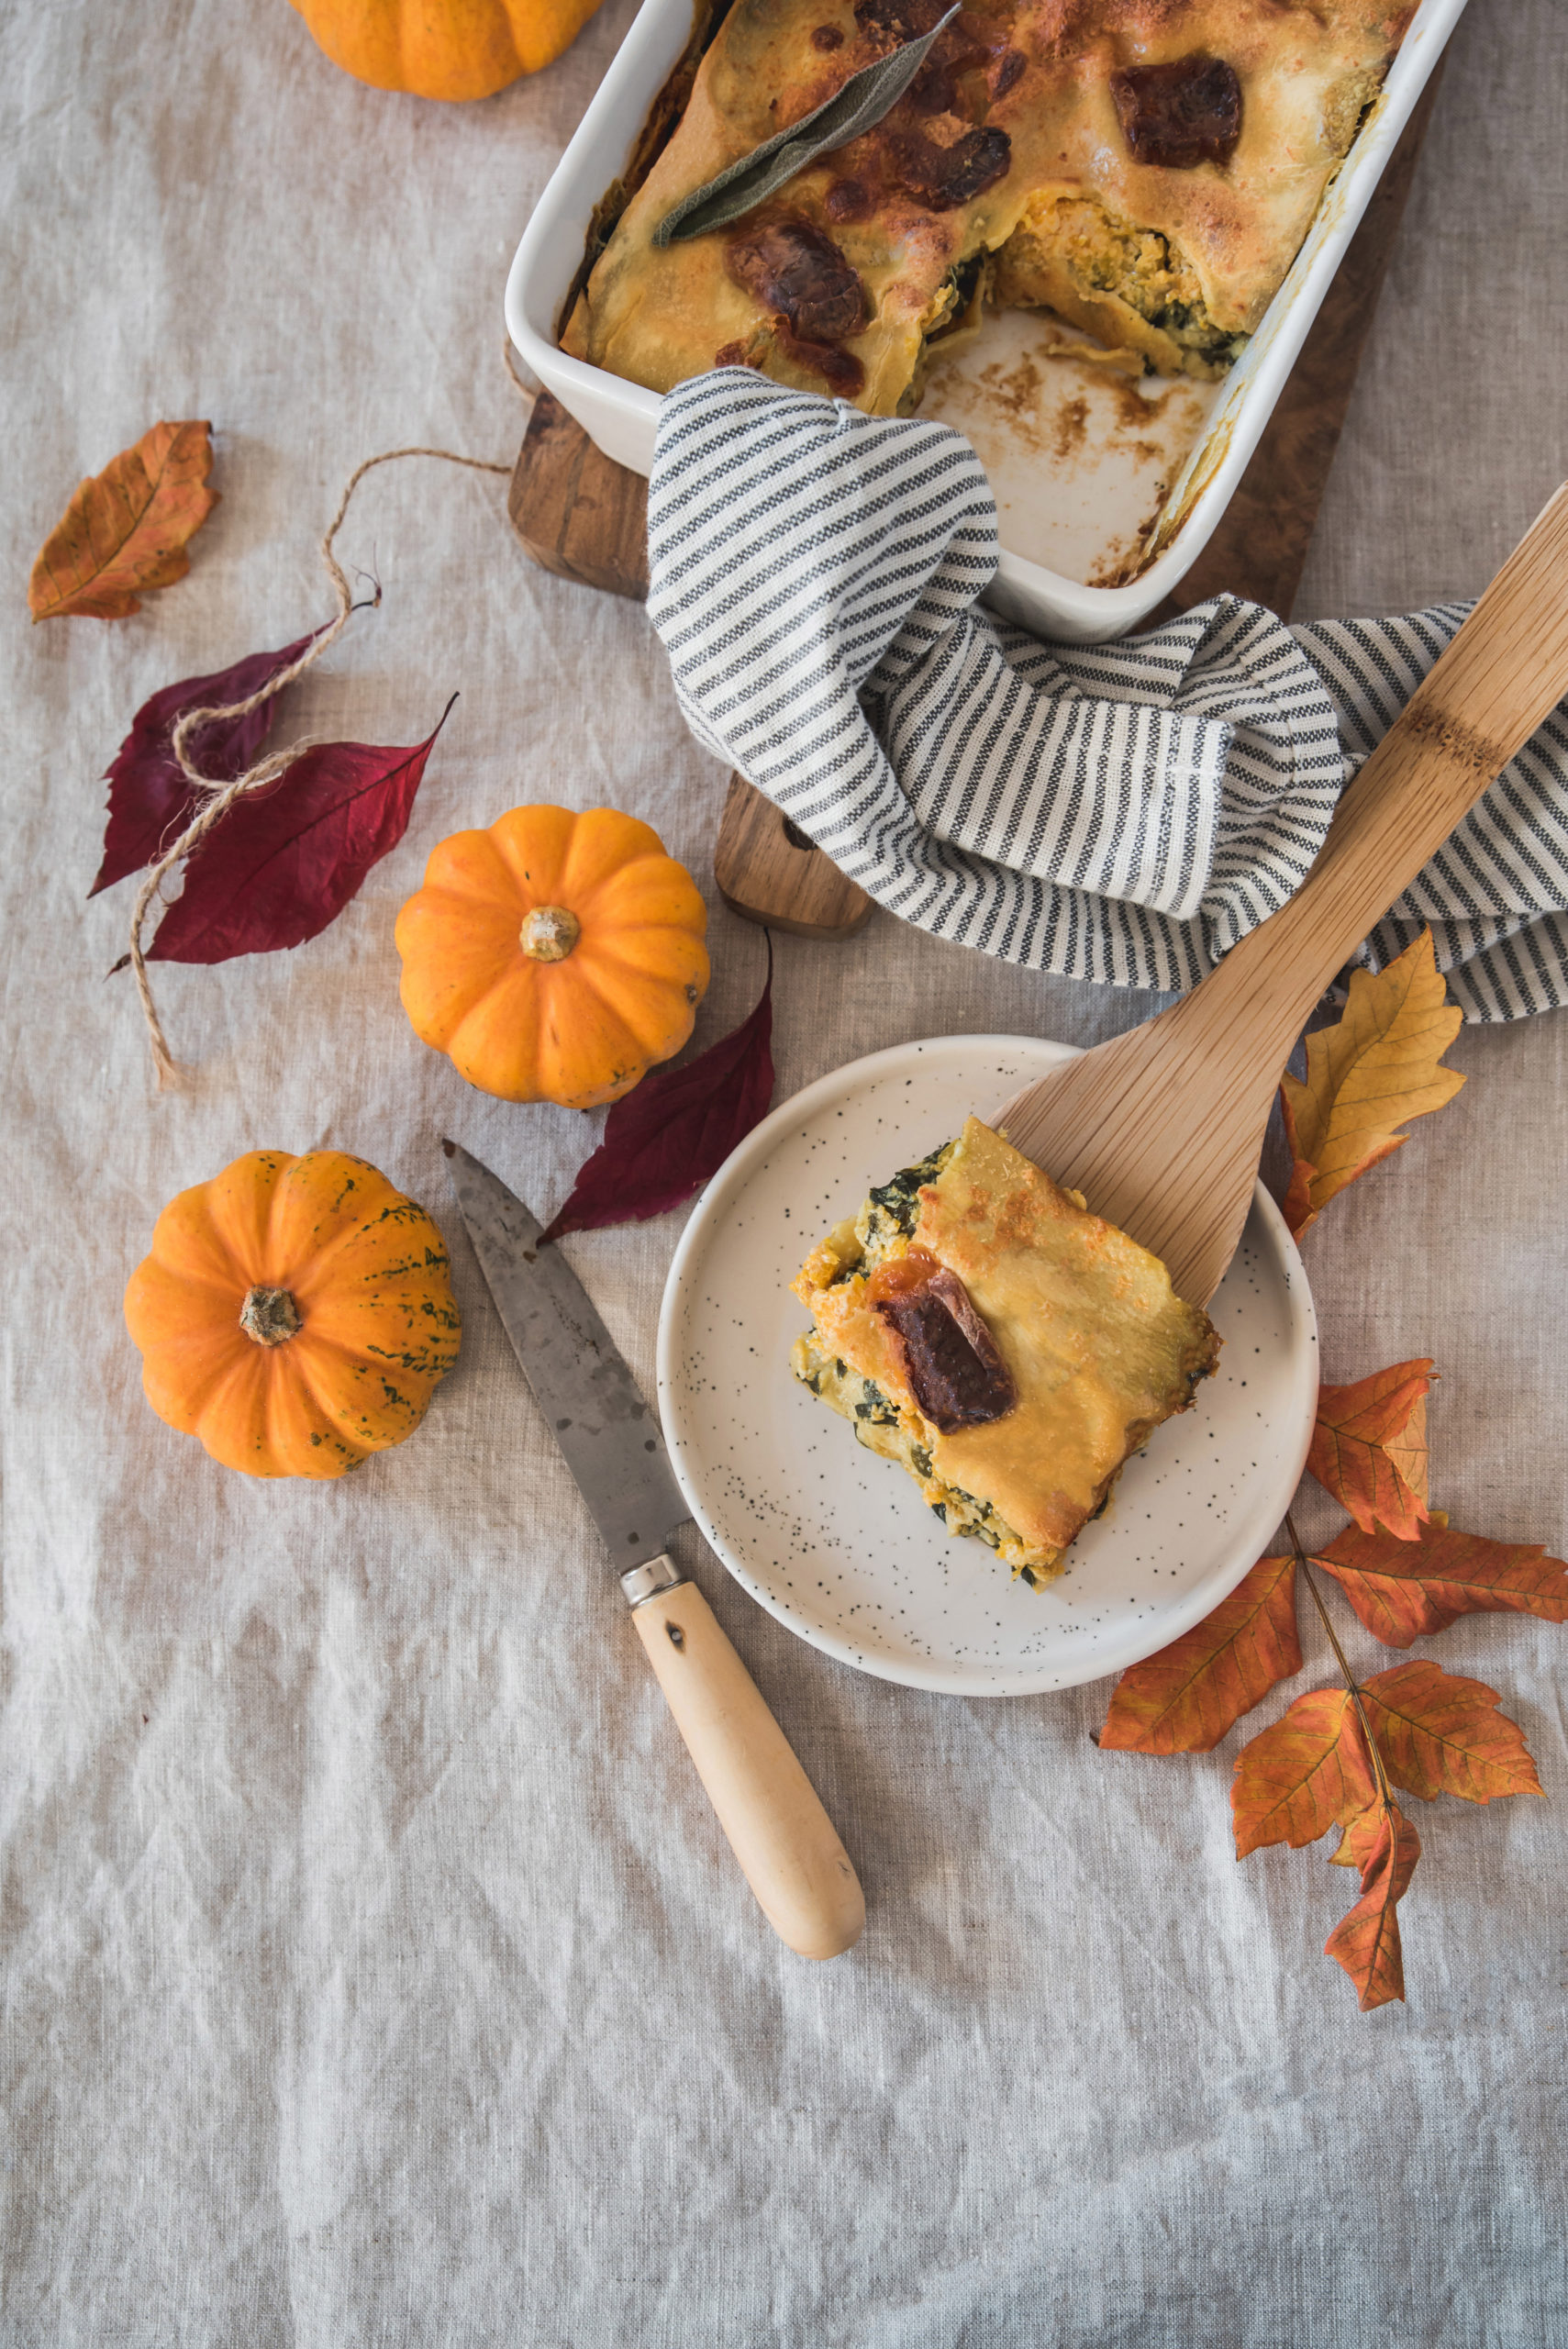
x: 587, y: 520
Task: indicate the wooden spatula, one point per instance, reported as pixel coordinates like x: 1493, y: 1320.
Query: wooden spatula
x: 1162, y: 1128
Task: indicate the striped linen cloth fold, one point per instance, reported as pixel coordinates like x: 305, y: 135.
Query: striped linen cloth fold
x: 1118, y: 812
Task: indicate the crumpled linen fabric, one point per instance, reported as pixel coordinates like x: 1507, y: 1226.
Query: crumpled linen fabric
x: 1116, y: 812
x: 372, y: 1974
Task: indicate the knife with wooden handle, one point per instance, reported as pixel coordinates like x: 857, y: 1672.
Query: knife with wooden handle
x: 784, y: 1841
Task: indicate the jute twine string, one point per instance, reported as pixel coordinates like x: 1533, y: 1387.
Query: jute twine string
x: 221, y: 797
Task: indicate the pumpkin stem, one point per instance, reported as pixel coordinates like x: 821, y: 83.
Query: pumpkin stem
x: 549, y: 933
x: 270, y: 1316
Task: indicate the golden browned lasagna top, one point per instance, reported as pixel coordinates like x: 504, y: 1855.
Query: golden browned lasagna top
x: 1145, y: 168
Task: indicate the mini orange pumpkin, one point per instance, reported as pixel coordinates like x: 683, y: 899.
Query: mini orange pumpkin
x: 294, y: 1313
x: 555, y: 957
x: 444, y: 49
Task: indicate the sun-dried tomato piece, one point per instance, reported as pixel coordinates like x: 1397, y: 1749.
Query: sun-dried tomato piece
x: 941, y: 178
x: 850, y: 200
x: 900, y: 20
x: 1186, y: 112
x: 795, y: 270
x: 1009, y: 66
x: 954, y: 1367
x: 955, y: 78
x: 840, y: 369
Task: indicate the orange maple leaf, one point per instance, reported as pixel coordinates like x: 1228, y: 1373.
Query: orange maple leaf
x: 1385, y: 1847
x: 1186, y: 1698
x: 125, y: 528
x: 1362, y: 1437
x: 1375, y: 1068
x: 1440, y: 1734
x: 1403, y: 1591
x: 1307, y: 1773
x: 1297, y: 1205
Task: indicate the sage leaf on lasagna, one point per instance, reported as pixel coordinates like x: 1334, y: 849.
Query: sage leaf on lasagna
x: 858, y: 106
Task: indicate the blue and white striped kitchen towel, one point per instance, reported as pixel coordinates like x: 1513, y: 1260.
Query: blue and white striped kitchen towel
x: 1121, y: 812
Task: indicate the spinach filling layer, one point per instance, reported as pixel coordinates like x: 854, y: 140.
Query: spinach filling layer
x: 884, y: 1226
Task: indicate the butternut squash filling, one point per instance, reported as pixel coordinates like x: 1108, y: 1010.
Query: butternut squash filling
x: 976, y: 1324
x: 1130, y: 287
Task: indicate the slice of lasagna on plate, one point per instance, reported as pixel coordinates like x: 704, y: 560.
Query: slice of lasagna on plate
x: 976, y: 1324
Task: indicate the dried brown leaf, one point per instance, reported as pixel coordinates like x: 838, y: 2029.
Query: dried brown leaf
x: 125, y: 528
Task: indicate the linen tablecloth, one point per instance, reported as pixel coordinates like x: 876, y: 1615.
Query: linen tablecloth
x: 374, y: 1972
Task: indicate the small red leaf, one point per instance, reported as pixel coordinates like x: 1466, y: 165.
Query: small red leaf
x: 150, y: 801
x: 285, y: 860
x: 676, y: 1129
x: 1185, y: 1698
x: 1385, y: 1847
x: 1405, y: 1590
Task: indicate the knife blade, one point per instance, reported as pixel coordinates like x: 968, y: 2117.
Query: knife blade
x: 784, y: 1841
x: 610, y: 1440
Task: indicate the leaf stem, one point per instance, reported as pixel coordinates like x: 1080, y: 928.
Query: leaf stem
x: 1350, y: 1681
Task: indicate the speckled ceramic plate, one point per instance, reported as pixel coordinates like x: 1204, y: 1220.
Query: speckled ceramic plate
x: 837, y: 1542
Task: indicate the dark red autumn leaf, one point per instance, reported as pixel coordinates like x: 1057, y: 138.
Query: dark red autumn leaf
x: 285, y: 860
x: 1403, y: 1590
x: 676, y: 1129
x: 1440, y: 1734
x: 1356, y: 1447
x: 1185, y: 1699
x: 150, y: 801
x: 1385, y: 1847
x: 1308, y: 1772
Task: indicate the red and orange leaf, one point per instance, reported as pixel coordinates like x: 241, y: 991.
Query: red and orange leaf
x: 1361, y: 1434
x: 126, y: 527
x: 1360, y: 1840
x: 1375, y: 1068
x: 1403, y: 1590
x: 1366, y: 1942
x: 1297, y: 1205
x: 1185, y: 1699
x: 1409, y: 1452
x: 1440, y: 1734
x: 1306, y: 1774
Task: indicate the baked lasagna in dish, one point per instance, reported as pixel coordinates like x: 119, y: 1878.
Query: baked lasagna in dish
x: 977, y: 1325
x: 1145, y: 169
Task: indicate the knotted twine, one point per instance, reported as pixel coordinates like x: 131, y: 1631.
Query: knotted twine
x: 221, y: 795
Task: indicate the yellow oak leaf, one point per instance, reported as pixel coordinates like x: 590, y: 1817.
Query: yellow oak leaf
x: 1374, y: 1069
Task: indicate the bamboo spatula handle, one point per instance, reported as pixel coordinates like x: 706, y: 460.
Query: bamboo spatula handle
x: 1503, y: 675
x: 784, y: 1841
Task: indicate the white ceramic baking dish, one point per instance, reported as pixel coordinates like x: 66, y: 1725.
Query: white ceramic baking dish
x: 622, y: 417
